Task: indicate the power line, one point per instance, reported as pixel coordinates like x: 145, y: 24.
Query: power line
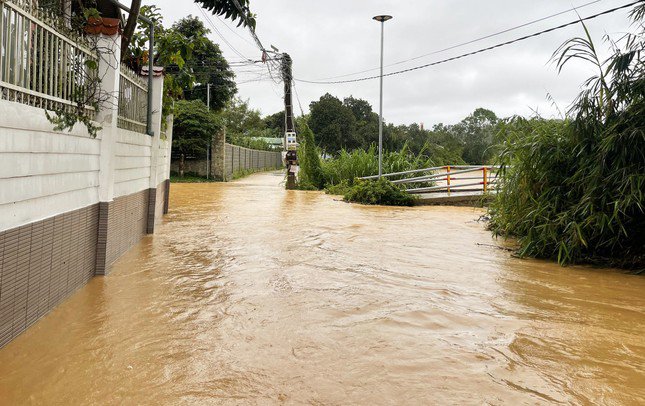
x: 270, y: 62
x: 232, y: 30
x: 251, y: 29
x: 468, y: 42
x: 479, y: 51
x: 210, y: 22
x: 302, y: 112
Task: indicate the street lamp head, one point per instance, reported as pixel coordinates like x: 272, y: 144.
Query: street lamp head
x: 382, y: 18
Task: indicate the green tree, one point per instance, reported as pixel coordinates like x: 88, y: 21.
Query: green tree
x: 311, y: 173
x: 207, y: 64
x: 226, y: 8
x: 242, y: 121
x: 477, y: 132
x: 194, y: 126
x: 275, y: 122
x: 333, y: 123
x: 189, y: 58
x: 366, y: 130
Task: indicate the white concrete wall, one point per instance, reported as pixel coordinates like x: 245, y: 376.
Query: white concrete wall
x: 43, y: 173
x: 163, y: 168
x: 132, y: 162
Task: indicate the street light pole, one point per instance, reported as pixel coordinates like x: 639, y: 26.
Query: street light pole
x: 382, y: 19
x: 208, y: 147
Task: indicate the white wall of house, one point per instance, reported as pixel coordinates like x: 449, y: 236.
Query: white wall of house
x: 44, y: 172
x: 132, y: 162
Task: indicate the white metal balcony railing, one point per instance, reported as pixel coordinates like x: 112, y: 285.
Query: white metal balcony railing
x: 42, y: 64
x: 133, y: 101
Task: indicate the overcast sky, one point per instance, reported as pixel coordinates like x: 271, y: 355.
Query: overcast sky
x: 337, y: 37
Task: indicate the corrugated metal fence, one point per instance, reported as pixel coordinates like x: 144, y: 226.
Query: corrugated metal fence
x: 238, y: 159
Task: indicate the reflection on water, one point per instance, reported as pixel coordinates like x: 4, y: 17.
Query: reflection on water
x: 250, y: 294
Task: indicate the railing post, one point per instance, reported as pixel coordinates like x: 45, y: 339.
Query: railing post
x: 448, y: 178
x: 484, y: 169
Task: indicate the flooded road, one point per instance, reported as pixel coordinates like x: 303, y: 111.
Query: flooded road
x: 250, y: 294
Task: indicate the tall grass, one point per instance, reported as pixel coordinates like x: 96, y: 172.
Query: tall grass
x: 349, y: 165
x: 573, y: 190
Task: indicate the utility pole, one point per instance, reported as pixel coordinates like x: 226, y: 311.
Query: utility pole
x: 290, y: 142
x: 208, y: 147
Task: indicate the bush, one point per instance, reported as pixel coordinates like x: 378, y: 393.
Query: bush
x: 339, y: 189
x: 360, y: 163
x: 311, y: 174
x: 574, y: 190
x: 381, y: 192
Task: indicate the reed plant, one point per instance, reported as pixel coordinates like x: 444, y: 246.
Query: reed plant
x: 350, y: 165
x: 573, y: 189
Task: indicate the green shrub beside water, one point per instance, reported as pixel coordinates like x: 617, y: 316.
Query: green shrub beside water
x: 574, y: 190
x: 381, y: 192
x: 339, y: 175
x: 311, y: 175
x: 360, y: 163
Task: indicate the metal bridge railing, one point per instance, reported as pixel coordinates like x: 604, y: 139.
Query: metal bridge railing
x: 41, y: 63
x: 133, y: 101
x: 451, y: 180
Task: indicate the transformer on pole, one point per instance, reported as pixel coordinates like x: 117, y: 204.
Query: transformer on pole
x: 290, y: 142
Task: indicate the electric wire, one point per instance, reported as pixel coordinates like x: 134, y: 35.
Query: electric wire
x: 217, y: 31
x: 295, y: 91
x: 479, y: 51
x: 468, y: 42
x: 270, y: 62
x: 232, y: 30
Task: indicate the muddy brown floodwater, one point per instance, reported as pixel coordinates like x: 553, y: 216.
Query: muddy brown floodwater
x: 250, y: 294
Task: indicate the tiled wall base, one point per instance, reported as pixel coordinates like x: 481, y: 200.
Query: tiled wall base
x: 44, y: 262
x: 41, y: 264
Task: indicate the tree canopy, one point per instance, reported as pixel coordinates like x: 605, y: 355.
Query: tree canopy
x: 190, y: 60
x: 333, y: 123
x: 207, y: 65
x: 194, y: 125
x: 351, y: 124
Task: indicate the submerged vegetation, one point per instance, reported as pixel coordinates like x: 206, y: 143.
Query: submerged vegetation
x: 341, y: 174
x: 573, y: 190
x: 378, y: 191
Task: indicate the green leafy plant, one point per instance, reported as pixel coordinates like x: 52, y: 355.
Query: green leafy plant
x: 378, y: 192
x: 194, y: 126
x: 349, y: 165
x: 311, y: 173
x: 339, y: 188
x: 573, y: 190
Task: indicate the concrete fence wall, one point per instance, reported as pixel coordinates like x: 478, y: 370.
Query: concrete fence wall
x: 238, y: 159
x: 228, y: 160
x: 70, y: 204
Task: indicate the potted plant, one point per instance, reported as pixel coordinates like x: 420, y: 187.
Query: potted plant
x: 95, y: 24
